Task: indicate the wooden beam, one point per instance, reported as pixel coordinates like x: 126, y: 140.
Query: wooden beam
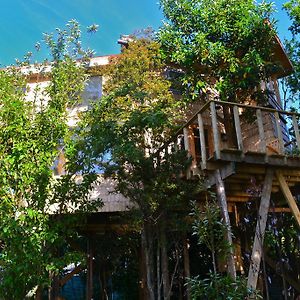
x: 262, y: 138
x: 215, y: 130
x: 202, y: 141
x: 260, y: 231
x: 288, y: 196
x: 238, y: 128
x: 221, y: 195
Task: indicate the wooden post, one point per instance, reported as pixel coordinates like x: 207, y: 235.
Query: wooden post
x: 202, y: 141
x: 288, y: 196
x: 221, y: 195
x: 296, y: 129
x: 260, y: 230
x: 262, y: 138
x: 238, y: 128
x: 279, y: 132
x: 215, y: 129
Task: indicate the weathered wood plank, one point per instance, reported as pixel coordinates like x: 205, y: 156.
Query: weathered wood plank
x: 215, y: 130
x: 261, y: 132
x: 288, y: 196
x: 260, y: 230
x: 238, y: 128
x: 202, y: 141
x: 221, y: 195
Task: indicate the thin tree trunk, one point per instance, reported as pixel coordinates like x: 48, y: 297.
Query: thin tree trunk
x: 158, y: 279
x: 164, y: 263
x: 224, y: 209
x: 147, y: 245
x: 187, y: 273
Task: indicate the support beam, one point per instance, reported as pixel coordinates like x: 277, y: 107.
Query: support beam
x: 221, y: 195
x: 288, y: 196
x: 260, y: 231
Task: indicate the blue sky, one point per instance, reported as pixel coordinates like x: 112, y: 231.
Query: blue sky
x: 23, y: 22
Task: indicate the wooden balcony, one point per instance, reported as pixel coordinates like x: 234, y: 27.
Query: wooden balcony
x: 230, y: 132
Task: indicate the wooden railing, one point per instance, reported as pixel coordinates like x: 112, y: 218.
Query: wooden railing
x: 224, y: 126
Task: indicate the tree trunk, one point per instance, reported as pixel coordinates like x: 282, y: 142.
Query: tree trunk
x: 186, y: 261
x: 158, y: 278
x: 147, y: 244
x: 164, y: 263
x: 223, y: 205
x: 89, y: 285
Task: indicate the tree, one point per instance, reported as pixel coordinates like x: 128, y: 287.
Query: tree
x: 222, y: 46
x: 127, y: 133
x: 35, y: 206
x: 291, y: 83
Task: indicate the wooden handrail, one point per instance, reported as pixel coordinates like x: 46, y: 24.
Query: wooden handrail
x: 260, y: 109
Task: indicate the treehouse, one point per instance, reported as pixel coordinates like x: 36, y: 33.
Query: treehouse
x: 243, y: 152
x: 246, y: 152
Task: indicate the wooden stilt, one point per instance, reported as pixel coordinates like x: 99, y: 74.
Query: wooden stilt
x: 221, y: 195
x: 260, y: 230
x: 288, y: 196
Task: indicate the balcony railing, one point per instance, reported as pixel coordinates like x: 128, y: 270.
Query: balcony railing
x: 224, y: 130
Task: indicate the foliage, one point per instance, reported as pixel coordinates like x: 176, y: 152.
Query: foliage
x: 220, y: 287
x: 135, y: 117
x: 222, y: 46
x: 127, y: 136
x: 210, y: 230
x: 33, y: 224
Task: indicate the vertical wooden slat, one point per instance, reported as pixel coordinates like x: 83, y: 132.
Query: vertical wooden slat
x: 288, y: 196
x: 221, y: 195
x: 260, y: 230
x: 261, y: 132
x: 202, y: 141
x: 187, y: 148
x: 186, y: 139
x: 238, y: 128
x: 215, y: 130
x: 279, y: 132
x: 296, y: 129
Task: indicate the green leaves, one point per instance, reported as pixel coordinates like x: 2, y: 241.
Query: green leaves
x: 33, y: 136
x: 213, y: 41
